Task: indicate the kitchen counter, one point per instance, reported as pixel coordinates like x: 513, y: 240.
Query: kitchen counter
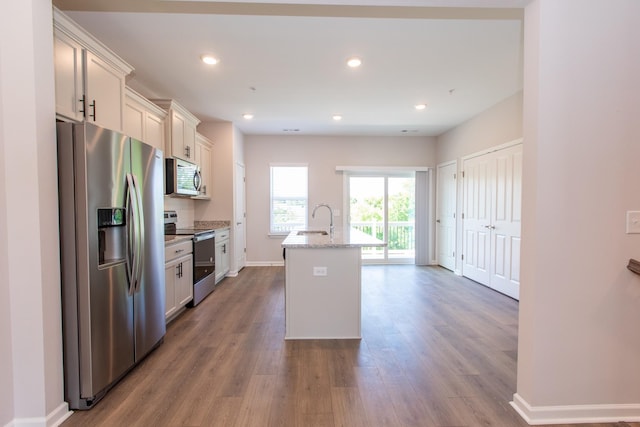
x: 215, y: 224
x: 344, y: 238
x: 170, y: 239
x: 322, y: 283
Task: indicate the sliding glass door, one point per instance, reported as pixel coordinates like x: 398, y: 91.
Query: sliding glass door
x: 383, y: 206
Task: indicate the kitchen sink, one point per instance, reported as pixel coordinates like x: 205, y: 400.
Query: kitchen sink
x: 316, y: 232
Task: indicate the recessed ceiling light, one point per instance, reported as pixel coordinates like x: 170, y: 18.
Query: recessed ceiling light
x: 337, y: 117
x: 421, y: 106
x: 354, y: 62
x: 209, y: 59
x: 248, y: 116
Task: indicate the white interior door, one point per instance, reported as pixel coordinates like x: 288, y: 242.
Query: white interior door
x: 239, y: 225
x: 446, y: 215
x: 506, y: 221
x: 492, y: 217
x: 476, y: 261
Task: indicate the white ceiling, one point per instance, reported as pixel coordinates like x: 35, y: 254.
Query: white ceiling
x: 285, y: 63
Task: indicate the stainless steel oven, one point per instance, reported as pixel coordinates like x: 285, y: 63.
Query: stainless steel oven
x: 204, y: 278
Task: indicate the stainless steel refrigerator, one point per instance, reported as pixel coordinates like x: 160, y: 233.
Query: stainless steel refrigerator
x: 112, y: 256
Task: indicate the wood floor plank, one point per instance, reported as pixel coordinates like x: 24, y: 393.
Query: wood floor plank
x: 348, y: 410
x: 256, y: 405
x: 437, y: 350
x: 375, y: 398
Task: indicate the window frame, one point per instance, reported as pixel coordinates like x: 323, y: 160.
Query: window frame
x: 304, y: 199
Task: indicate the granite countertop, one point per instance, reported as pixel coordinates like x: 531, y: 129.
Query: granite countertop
x: 342, y: 238
x: 170, y: 239
x: 211, y: 225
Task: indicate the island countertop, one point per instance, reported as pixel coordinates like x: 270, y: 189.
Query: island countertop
x: 342, y: 238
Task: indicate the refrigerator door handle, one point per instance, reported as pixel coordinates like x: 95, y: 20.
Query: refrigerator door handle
x: 132, y: 232
x: 139, y: 214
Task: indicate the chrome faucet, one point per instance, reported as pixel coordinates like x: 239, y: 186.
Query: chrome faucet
x: 313, y: 215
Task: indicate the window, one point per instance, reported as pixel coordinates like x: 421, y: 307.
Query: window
x: 383, y: 206
x: 288, y: 198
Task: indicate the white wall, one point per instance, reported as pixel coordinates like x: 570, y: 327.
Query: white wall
x: 580, y: 307
x: 31, y: 389
x: 228, y: 149
x: 322, y: 154
x: 6, y: 355
x: 499, y: 124
x: 220, y: 207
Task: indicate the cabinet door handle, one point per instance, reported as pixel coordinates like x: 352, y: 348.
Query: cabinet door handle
x: 82, y: 101
x: 93, y: 105
x: 187, y: 151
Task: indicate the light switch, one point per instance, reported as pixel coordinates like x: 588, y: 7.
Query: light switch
x: 336, y: 212
x: 633, y: 222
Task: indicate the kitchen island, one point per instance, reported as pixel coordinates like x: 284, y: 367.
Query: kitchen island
x: 322, y: 283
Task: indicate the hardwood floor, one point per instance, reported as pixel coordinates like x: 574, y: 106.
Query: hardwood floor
x: 437, y: 350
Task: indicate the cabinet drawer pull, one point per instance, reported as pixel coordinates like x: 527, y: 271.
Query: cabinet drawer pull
x: 179, y: 250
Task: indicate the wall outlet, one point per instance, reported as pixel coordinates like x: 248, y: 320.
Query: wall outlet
x: 633, y: 222
x: 319, y: 271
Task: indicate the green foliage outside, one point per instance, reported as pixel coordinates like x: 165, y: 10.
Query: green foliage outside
x: 401, y: 209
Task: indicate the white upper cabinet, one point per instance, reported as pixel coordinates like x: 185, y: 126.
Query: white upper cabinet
x: 69, y: 80
x: 90, y: 78
x: 143, y: 119
x: 180, y: 130
x: 203, y: 159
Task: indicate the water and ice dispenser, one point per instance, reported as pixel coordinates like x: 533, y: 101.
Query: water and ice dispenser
x: 112, y: 235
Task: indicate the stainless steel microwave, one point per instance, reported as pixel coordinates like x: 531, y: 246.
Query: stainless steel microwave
x: 182, y: 178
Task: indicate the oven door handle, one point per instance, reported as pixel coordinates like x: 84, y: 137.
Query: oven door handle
x: 204, y: 236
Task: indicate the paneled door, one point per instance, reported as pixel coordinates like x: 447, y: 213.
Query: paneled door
x: 446, y: 215
x: 239, y: 228
x: 492, y: 219
x: 476, y: 218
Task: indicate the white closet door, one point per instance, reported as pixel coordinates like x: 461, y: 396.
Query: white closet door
x: 492, y: 217
x: 476, y: 264
x: 506, y: 221
x: 446, y: 211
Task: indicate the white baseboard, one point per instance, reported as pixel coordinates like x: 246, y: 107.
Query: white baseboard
x: 265, y: 263
x: 575, y: 414
x: 54, y: 419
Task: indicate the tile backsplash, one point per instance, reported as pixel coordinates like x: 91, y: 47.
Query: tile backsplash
x: 184, y: 207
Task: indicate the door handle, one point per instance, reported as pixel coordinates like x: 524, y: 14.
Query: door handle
x: 93, y: 105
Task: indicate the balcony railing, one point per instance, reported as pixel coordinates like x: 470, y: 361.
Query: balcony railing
x: 401, y: 239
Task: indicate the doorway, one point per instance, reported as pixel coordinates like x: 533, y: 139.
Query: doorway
x: 492, y: 218
x: 383, y: 206
x: 446, y: 214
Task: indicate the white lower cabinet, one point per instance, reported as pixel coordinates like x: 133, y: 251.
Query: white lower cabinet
x: 222, y: 253
x: 178, y: 272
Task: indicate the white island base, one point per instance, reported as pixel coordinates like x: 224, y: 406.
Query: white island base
x: 323, y: 293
